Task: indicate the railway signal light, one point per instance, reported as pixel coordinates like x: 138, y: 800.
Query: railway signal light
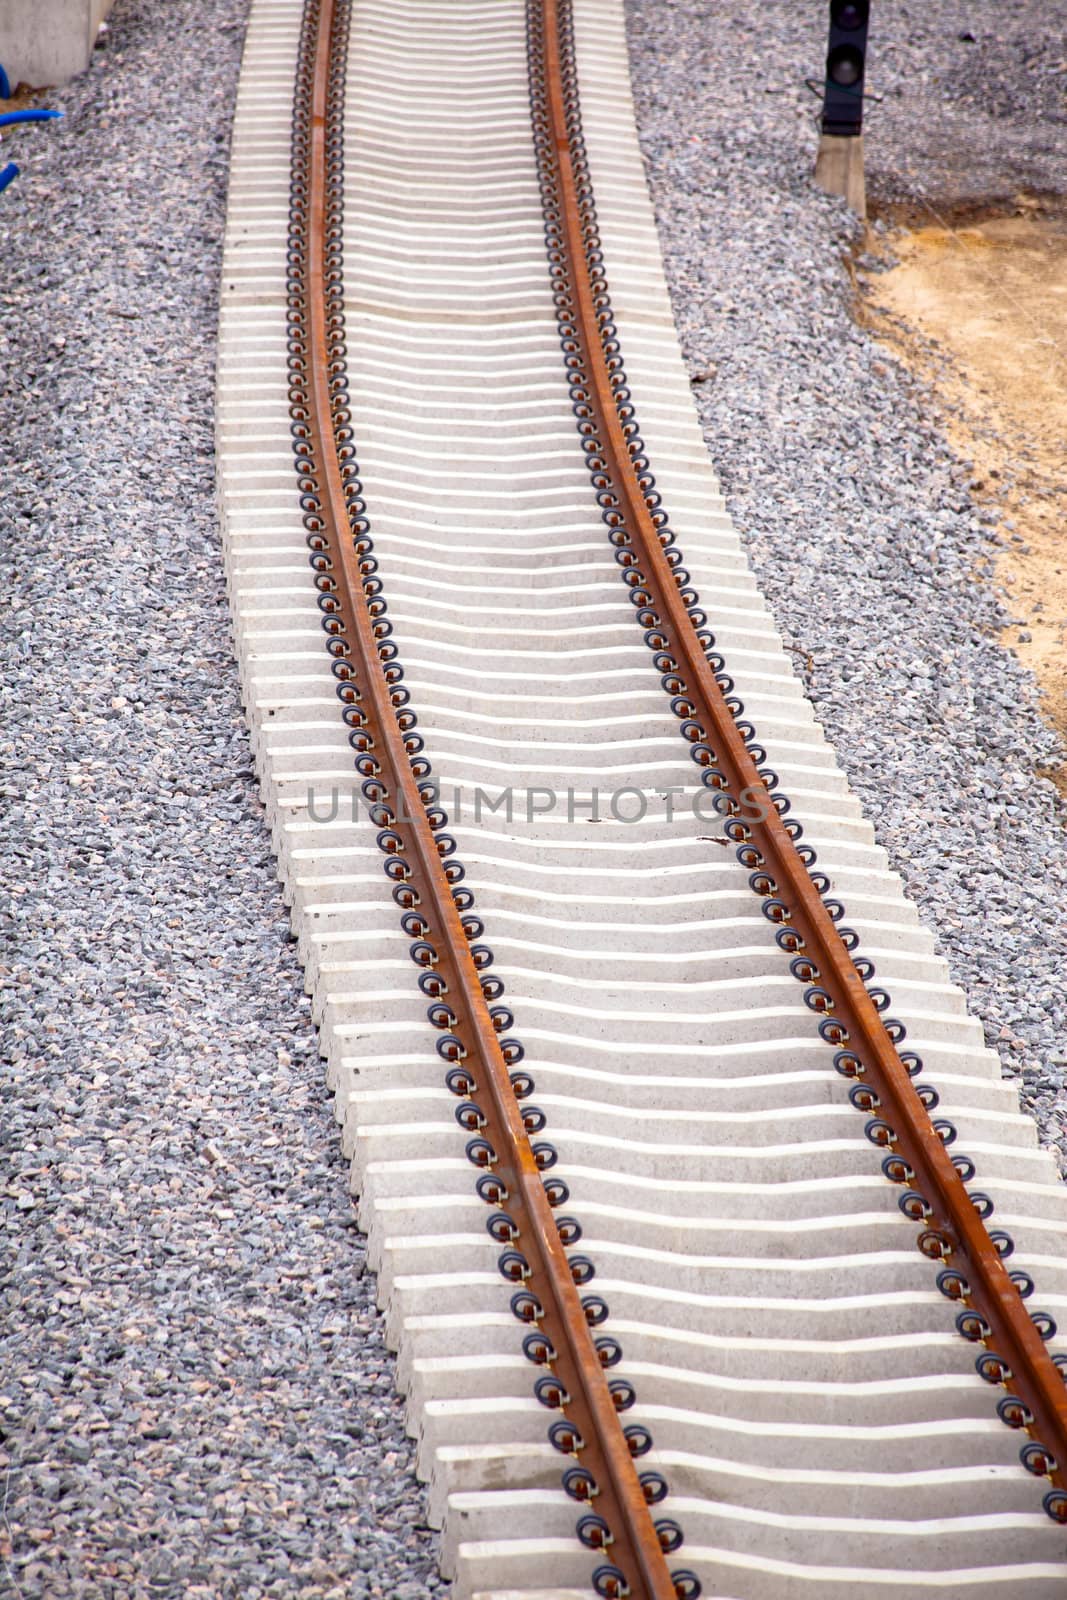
x: 839, y: 168
x: 842, y: 111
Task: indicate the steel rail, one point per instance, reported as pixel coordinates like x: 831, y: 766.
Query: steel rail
x: 954, y: 1230
x: 548, y: 1297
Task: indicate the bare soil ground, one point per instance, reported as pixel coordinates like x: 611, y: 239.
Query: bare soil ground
x: 977, y: 305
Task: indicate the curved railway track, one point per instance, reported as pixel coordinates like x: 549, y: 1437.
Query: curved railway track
x: 679, y: 1307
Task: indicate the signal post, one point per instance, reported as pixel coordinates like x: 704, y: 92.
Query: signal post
x: 839, y: 165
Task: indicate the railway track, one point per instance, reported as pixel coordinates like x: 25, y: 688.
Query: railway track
x: 678, y: 1306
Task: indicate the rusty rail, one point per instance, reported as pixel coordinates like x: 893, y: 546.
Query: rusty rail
x: 617, y: 1519
x: 954, y: 1231
x: 436, y: 909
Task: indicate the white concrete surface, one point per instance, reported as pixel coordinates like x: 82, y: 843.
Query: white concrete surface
x: 45, y: 42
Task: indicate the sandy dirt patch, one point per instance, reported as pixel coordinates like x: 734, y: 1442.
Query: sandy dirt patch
x: 977, y: 304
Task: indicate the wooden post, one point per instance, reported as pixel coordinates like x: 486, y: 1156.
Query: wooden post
x: 839, y: 169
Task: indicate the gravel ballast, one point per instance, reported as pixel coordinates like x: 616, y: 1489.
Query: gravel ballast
x: 858, y: 519
x: 195, y: 1397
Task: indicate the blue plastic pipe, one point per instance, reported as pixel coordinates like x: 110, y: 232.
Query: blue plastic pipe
x: 8, y: 175
x: 10, y: 117
x: 5, y: 85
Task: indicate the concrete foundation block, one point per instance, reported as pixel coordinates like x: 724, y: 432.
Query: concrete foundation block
x: 45, y: 42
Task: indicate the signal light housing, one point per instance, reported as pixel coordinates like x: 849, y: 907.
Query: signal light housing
x: 842, y: 111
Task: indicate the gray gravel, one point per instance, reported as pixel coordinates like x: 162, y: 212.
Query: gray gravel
x: 195, y: 1397
x: 857, y: 516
